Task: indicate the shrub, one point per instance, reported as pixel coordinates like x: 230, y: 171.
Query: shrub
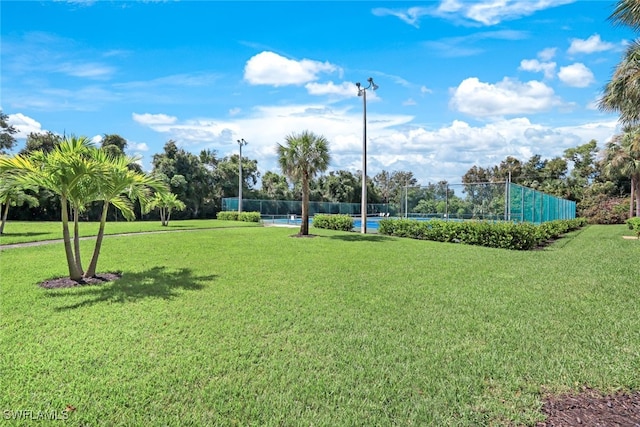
x: 249, y: 216
x: 227, y: 216
x: 505, y: 235
x: 634, y: 224
x: 333, y: 222
x: 238, y: 216
x: 604, y: 209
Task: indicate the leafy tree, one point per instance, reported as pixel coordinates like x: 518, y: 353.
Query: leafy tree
x: 382, y: 181
x: 188, y: 177
x: 226, y: 175
x: 301, y: 157
x: 45, y: 142
x: 532, y: 171
x: 341, y: 186
x: 7, y: 140
x: 509, y: 169
x: 274, y: 186
x: 114, y: 144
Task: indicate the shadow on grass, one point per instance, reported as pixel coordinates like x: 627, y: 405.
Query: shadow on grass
x: 356, y: 237
x: 157, y: 282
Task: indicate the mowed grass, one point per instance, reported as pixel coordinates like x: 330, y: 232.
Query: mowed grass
x: 29, y: 231
x: 248, y: 326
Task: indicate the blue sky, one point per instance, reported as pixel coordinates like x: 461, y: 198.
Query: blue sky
x: 460, y: 83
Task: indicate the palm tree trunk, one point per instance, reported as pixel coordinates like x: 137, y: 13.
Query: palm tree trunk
x: 76, y: 239
x: 304, y: 227
x: 4, y: 216
x: 637, y: 181
x: 74, y: 272
x: 631, y: 196
x: 162, y: 217
x: 167, y: 217
x: 91, y: 270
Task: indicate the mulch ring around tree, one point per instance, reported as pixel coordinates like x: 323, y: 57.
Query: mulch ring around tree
x: 65, y: 282
x: 591, y: 408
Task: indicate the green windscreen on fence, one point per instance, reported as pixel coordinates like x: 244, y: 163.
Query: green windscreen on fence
x: 529, y: 205
x: 289, y: 207
x: 472, y: 201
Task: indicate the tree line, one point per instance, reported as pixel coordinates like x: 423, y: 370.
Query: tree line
x: 600, y: 181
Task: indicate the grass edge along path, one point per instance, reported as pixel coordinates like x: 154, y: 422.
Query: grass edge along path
x: 247, y: 326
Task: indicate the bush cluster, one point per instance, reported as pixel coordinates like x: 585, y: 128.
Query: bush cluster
x: 333, y: 222
x: 238, y: 216
x: 504, y: 235
x: 603, y: 209
x: 634, y: 224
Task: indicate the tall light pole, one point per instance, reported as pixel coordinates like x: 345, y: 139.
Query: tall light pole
x: 362, y: 91
x: 241, y: 142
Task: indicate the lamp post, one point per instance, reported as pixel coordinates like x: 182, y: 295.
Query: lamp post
x: 241, y: 142
x: 362, y: 91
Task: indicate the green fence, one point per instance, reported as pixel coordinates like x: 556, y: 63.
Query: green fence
x: 478, y: 201
x: 294, y: 207
x: 491, y: 201
x: 526, y: 204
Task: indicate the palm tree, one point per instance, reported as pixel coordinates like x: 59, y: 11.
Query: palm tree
x: 627, y: 12
x: 13, y: 193
x: 165, y: 203
x: 622, y: 158
x: 622, y: 93
x: 301, y: 158
x: 119, y: 186
x: 62, y: 171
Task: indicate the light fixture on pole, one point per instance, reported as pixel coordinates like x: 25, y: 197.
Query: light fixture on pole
x: 362, y: 91
x: 241, y: 142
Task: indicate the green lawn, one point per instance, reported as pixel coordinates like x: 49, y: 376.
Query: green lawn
x: 28, y: 231
x: 248, y: 326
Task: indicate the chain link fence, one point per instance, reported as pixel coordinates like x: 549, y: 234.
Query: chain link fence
x: 500, y: 201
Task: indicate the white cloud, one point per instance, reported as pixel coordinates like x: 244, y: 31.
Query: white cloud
x: 424, y: 89
x: 86, y: 70
x: 470, y: 45
x: 137, y: 146
x: 344, y: 90
x: 444, y: 152
x: 576, y: 75
x: 23, y: 125
x: 548, y: 68
x: 591, y: 45
x: 409, y: 102
x: 411, y: 15
x: 547, y: 54
x: 269, y: 68
x: 486, y: 12
x: 153, y: 119
x: 507, y: 97
x: 491, y: 12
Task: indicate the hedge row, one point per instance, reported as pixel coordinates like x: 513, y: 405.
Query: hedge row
x: 504, y: 235
x: 239, y: 216
x: 333, y: 222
